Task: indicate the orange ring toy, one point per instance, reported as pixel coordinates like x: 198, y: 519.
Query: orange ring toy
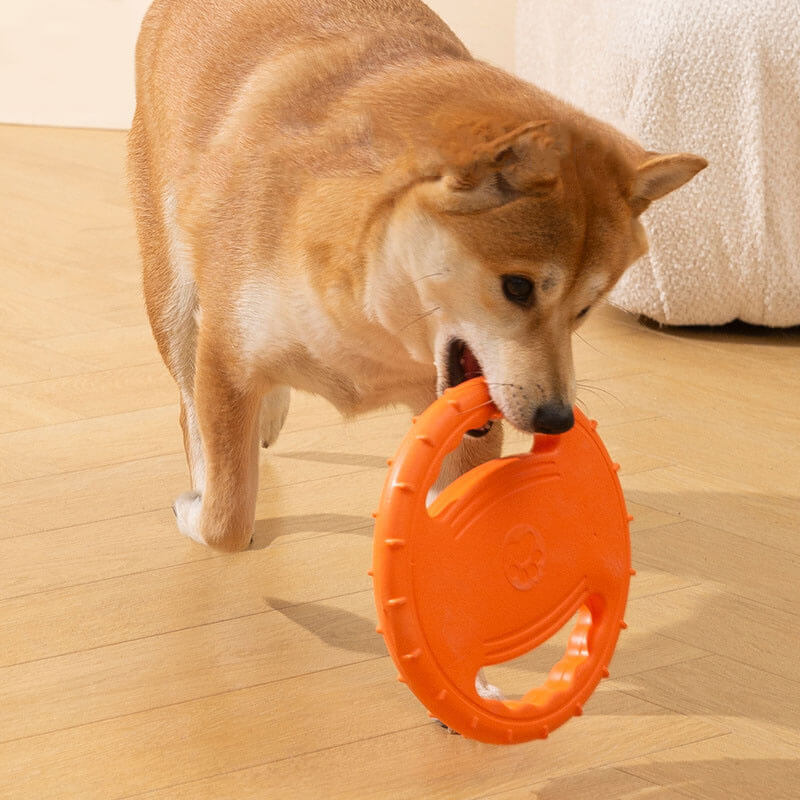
x: 502, y: 560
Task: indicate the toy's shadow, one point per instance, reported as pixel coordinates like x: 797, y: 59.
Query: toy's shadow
x: 336, y: 627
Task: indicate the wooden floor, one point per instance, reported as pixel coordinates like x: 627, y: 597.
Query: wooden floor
x: 135, y: 663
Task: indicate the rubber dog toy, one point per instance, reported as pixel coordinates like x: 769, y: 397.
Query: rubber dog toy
x: 501, y: 561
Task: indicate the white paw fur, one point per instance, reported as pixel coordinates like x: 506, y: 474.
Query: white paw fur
x: 487, y: 690
x: 188, y: 508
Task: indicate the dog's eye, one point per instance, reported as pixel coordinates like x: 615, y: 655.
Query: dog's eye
x: 518, y: 289
x: 584, y: 312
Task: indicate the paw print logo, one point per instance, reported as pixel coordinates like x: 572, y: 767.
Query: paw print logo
x: 523, y: 557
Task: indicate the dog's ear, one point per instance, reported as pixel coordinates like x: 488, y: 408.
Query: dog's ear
x: 526, y: 161
x: 660, y: 174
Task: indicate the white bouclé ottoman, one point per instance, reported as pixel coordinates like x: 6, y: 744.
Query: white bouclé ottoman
x: 713, y: 77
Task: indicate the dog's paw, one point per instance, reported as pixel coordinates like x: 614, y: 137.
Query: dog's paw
x: 486, y: 690
x: 447, y: 729
x: 188, y: 509
x: 274, y: 408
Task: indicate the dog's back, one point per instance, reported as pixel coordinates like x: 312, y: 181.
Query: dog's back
x: 194, y: 57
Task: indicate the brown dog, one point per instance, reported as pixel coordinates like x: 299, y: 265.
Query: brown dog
x: 333, y: 195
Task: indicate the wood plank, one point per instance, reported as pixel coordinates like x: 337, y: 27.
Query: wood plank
x: 19, y: 413
x: 742, y: 566
x: 702, y: 403
x: 759, y: 514
x: 769, y: 362
x: 116, y: 680
x: 122, y: 308
x: 644, y: 516
x: 125, y: 545
x: 85, y: 496
x: 105, y: 440
x: 231, y: 730
x: 425, y: 762
x: 118, y: 347
x: 724, y: 768
x: 710, y: 448
x: 603, y: 782
x: 731, y: 693
x: 87, y: 395
x: 21, y: 362
x: 134, y: 606
x: 30, y: 318
x: 709, y: 618
x: 94, y: 551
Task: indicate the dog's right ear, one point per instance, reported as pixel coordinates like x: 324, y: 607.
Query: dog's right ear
x: 526, y: 161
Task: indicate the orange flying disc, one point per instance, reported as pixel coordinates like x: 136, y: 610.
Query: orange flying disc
x: 501, y: 561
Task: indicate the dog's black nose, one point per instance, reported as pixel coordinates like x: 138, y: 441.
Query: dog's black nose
x: 553, y: 418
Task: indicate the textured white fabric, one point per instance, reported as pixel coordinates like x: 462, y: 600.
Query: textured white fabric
x: 720, y: 78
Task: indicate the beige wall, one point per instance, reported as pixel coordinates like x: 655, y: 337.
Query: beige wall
x: 70, y: 62
x: 485, y: 26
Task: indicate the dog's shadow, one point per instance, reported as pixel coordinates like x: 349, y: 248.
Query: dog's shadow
x: 266, y: 531
x: 345, y: 459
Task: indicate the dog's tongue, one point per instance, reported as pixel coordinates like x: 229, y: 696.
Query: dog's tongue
x: 470, y: 365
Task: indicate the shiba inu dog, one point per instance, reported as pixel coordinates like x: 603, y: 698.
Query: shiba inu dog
x: 333, y: 195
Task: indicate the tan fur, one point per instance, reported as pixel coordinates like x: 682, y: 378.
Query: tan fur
x: 327, y: 192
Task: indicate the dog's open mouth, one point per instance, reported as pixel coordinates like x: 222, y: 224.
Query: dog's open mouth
x: 462, y: 365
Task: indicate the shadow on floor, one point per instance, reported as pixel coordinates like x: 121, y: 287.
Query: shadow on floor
x: 334, y: 626
x: 730, y: 778
x: 266, y: 531
x: 347, y: 459
x: 736, y: 331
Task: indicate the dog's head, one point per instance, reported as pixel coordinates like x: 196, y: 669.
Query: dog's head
x: 521, y: 235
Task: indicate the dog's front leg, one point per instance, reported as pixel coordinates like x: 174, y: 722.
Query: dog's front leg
x: 228, y: 413
x: 470, y: 453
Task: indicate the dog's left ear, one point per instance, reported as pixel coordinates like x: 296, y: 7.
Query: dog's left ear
x: 660, y: 174
x: 526, y: 161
